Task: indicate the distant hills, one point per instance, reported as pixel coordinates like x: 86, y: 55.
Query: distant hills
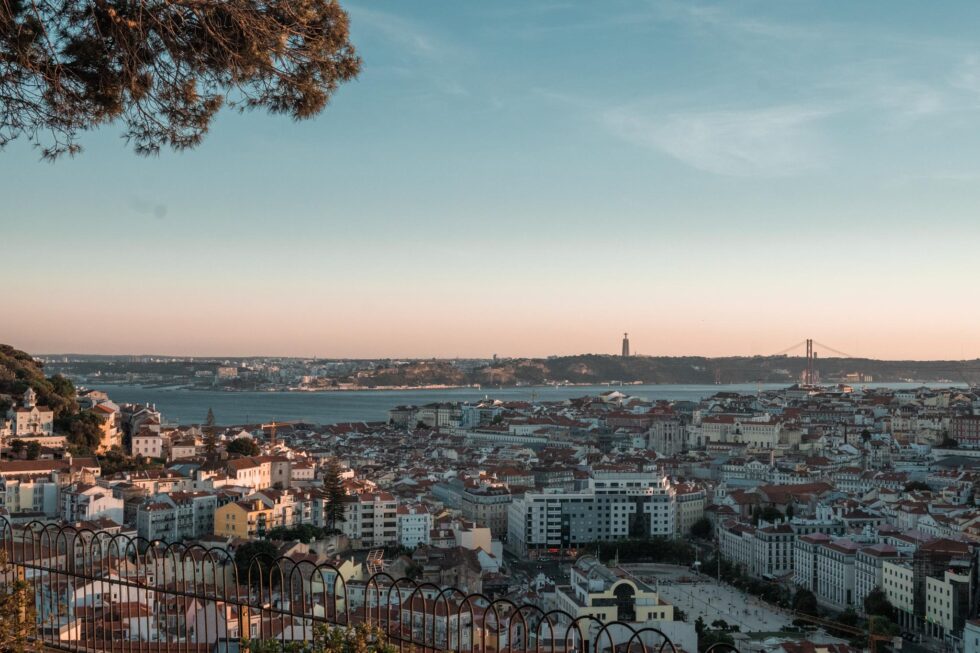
x: 583, y: 368
x: 591, y: 368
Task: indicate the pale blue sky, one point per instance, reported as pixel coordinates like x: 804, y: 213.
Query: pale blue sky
x: 536, y: 178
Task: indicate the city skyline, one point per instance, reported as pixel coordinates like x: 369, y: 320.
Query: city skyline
x: 719, y: 179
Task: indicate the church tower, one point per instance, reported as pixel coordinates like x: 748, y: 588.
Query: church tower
x: 30, y: 398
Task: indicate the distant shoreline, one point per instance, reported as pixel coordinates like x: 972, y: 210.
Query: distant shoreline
x: 166, y: 387
x: 437, y: 387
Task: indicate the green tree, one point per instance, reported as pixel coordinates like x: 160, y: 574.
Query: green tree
x: 805, y: 601
x: 17, y: 446
x: 33, y: 450
x: 712, y: 637
x: 770, y: 513
x: 304, y: 533
x: 243, y: 446
x: 18, y: 369
x: 880, y: 625
x: 263, y: 552
x: 164, y: 68
x: 877, y: 603
x: 917, y: 486
x: 210, y: 436
x: 702, y: 529
x: 699, y: 626
x: 333, y: 487
x: 83, y: 430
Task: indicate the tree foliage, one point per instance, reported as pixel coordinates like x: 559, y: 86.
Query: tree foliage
x: 302, y: 532
x: 163, y: 68
x: 264, y: 553
x: 33, y: 450
x: 917, y: 486
x: 334, y: 489
x: 210, y: 435
x: 805, y: 601
x: 653, y: 549
x: 877, y: 603
x: 18, y: 370
x: 244, y: 446
x: 702, y: 529
x: 83, y: 430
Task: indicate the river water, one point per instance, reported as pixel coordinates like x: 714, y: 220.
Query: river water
x: 191, y: 406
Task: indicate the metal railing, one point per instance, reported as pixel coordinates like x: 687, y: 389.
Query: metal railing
x: 96, y: 591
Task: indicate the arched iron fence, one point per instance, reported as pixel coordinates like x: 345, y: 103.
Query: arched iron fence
x: 96, y: 591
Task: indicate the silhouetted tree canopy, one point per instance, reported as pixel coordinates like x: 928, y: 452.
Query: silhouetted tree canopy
x: 702, y: 529
x: 163, y: 67
x: 243, y: 446
x: 805, y: 601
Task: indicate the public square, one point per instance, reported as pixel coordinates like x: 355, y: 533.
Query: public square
x: 701, y: 595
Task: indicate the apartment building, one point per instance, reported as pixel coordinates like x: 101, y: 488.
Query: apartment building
x: 413, y: 525
x: 765, y: 552
x: 805, y: 560
x: 689, y: 501
x: 176, y: 516
x: 649, y: 492
x: 487, y: 505
x: 898, y: 581
x: 85, y: 502
x: 243, y: 519
x: 868, y: 565
x: 948, y: 604
x: 148, y: 444
x: 251, y: 471
x: 615, y: 505
x: 29, y: 494
x: 371, y: 519
x: 835, y: 573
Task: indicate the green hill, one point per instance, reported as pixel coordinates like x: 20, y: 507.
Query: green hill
x: 18, y: 371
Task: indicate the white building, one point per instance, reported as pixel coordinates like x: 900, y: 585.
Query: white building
x: 616, y: 505
x: 371, y: 520
x: 898, y: 581
x: 147, y: 444
x: 868, y: 566
x: 414, y: 525
x: 90, y: 502
x: 175, y: 516
x: 29, y: 419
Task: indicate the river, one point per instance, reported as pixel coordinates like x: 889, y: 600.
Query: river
x: 191, y: 406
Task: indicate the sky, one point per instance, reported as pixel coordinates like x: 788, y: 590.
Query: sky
x: 533, y: 179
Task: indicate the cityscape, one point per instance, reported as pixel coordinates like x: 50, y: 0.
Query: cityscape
x: 761, y: 519
x: 373, y: 326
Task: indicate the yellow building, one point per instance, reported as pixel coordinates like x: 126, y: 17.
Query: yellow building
x: 610, y: 595
x: 244, y: 519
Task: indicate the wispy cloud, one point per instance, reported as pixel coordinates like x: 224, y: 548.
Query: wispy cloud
x: 405, y: 33
x: 767, y: 142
